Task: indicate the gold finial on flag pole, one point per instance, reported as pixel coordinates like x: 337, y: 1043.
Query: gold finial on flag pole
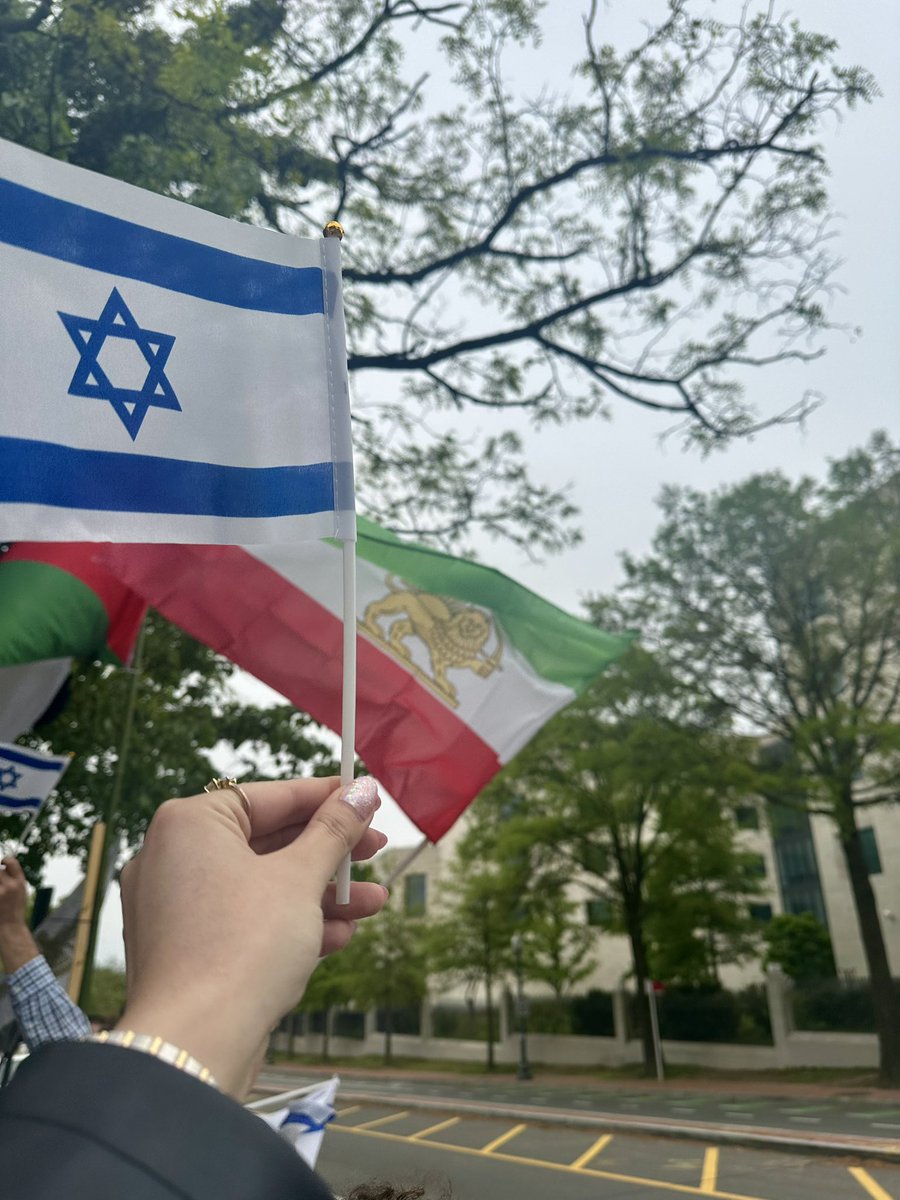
x: 333, y: 229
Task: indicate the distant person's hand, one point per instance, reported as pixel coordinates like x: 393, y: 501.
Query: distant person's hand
x: 17, y: 946
x: 13, y: 893
x: 226, y: 914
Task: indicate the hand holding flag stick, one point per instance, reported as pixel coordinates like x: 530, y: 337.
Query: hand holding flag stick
x: 267, y: 916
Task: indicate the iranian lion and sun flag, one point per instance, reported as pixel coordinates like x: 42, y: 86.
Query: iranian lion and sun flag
x: 175, y: 431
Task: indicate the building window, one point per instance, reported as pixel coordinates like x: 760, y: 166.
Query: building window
x: 746, y: 816
x: 415, y: 889
x: 597, y: 912
x: 870, y: 850
x: 757, y: 866
x: 761, y: 912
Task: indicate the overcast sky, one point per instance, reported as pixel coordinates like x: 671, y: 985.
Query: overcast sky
x: 618, y: 467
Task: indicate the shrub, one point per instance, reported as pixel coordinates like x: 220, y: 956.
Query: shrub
x: 405, y: 1019
x: 698, y: 1014
x: 463, y: 1023
x: 349, y: 1024
x: 835, y: 1005
x: 592, y: 1014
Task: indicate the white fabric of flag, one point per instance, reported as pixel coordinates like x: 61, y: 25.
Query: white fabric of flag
x: 27, y: 777
x: 168, y: 375
x: 303, y: 1120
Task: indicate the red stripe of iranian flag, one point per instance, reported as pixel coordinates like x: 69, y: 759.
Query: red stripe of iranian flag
x: 459, y: 666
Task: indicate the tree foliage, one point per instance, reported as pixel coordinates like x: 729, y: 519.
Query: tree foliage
x: 780, y: 602
x: 800, y: 945
x: 386, y: 967
x: 469, y: 942
x: 558, y: 948
x: 648, y: 236
x: 627, y: 792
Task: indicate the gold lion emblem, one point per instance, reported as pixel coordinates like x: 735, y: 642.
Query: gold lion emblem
x: 455, y: 634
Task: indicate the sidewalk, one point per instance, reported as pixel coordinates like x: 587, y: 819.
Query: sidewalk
x: 816, y: 1118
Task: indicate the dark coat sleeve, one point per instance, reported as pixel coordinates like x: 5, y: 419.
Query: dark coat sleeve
x: 94, y: 1122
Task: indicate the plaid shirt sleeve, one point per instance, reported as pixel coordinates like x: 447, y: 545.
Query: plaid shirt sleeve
x: 43, y: 1010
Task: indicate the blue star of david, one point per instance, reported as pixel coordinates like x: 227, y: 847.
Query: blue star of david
x: 9, y: 777
x: 131, y: 404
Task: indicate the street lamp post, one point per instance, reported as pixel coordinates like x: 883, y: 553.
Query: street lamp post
x: 524, y: 1070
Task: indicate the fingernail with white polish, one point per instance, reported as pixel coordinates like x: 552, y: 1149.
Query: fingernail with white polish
x: 362, y: 796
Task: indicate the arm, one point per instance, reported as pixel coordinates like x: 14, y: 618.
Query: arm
x: 227, y: 910
x: 84, y: 1121
x: 17, y: 946
x: 42, y: 1009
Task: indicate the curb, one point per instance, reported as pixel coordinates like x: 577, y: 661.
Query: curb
x: 833, y: 1144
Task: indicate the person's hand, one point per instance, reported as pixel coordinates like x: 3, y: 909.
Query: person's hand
x: 17, y: 946
x: 13, y: 893
x: 226, y: 915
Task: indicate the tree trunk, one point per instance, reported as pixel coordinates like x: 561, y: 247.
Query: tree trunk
x: 641, y: 974
x: 388, y: 1034
x: 326, y: 1033
x: 489, y: 991
x: 887, y: 1011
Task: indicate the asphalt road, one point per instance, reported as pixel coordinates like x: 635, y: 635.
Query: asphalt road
x: 485, y: 1158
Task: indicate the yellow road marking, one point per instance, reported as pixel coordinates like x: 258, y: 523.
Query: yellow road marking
x: 383, y: 1120
x: 864, y: 1179
x: 345, y: 1112
x: 710, y: 1174
x: 660, y: 1184
x: 502, y: 1139
x: 600, y: 1143
x: 434, y: 1128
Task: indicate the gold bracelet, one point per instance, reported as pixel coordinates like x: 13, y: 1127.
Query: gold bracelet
x: 158, y: 1048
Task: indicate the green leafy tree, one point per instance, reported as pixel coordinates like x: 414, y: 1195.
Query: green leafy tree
x: 106, y: 1000
x: 780, y: 602
x: 386, y: 967
x: 800, y: 945
x: 622, y: 790
x: 470, y: 940
x: 327, y: 989
x: 709, y: 926
x: 558, y: 948
x: 677, y: 184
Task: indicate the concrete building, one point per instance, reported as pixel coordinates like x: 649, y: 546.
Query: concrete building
x: 801, y: 869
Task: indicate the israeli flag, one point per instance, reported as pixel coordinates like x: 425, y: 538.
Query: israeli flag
x: 166, y: 375
x: 27, y: 777
x: 303, y: 1120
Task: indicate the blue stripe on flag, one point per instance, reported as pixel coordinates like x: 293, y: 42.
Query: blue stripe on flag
x: 33, y: 472
x: 35, y: 762
x: 47, y: 225
x: 10, y: 805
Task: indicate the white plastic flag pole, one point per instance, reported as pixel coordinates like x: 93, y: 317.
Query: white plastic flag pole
x: 348, y: 700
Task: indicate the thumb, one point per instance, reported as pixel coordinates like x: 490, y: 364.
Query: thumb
x: 335, y: 828
x: 13, y: 870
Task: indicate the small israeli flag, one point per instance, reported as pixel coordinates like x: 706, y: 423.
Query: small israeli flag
x: 27, y: 777
x: 302, y: 1122
x: 166, y: 375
